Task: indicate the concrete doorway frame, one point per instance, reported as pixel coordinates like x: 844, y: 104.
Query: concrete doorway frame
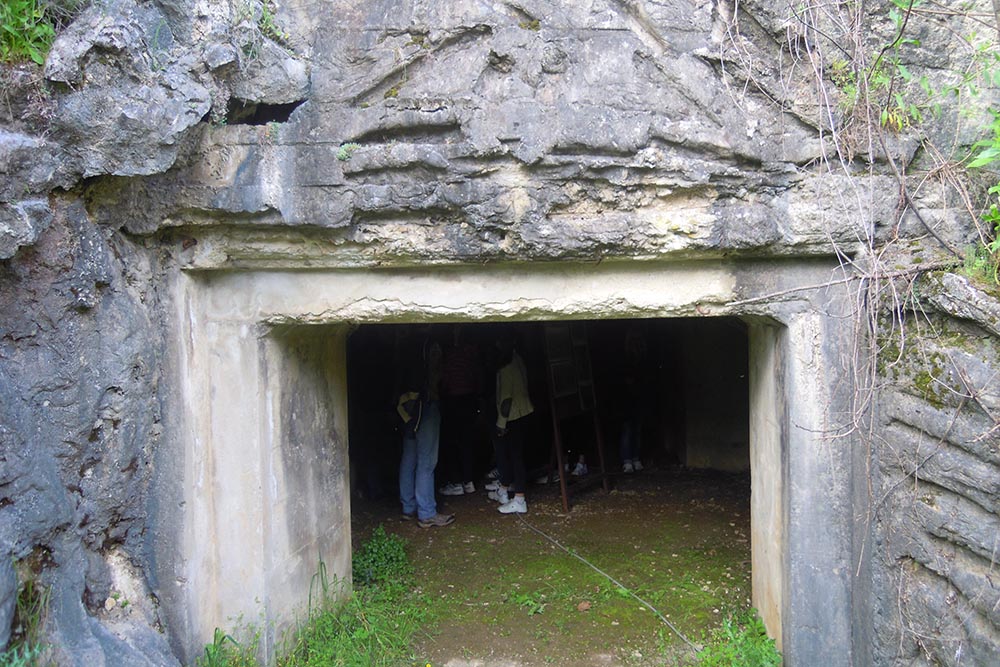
x: 256, y: 491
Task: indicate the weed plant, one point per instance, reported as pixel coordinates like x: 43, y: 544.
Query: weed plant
x: 382, y: 561
x: 26, y: 32
x: 28, y: 27
x: 370, y: 627
x: 741, y: 641
x: 30, y: 607
x: 20, y: 656
x: 373, y: 626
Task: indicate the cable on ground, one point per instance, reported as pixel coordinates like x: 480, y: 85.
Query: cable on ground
x: 614, y: 581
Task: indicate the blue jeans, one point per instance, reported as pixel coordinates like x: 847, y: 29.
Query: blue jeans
x: 416, y: 466
x: 630, y: 442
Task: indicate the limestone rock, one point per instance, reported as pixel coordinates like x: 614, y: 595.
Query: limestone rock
x: 954, y: 294
x: 21, y: 224
x: 8, y: 599
x: 138, y: 101
x: 29, y: 165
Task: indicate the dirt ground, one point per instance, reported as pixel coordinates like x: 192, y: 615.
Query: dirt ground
x: 504, y: 595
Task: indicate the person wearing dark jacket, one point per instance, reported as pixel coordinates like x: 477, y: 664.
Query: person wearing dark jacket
x: 419, y: 408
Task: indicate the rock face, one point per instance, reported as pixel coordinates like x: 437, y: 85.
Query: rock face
x: 210, y: 135
x: 937, y: 525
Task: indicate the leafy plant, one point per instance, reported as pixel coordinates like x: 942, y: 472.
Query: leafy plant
x: 26, y: 32
x: 741, y: 641
x: 20, y: 656
x: 345, y: 151
x: 382, y: 560
x: 984, y: 261
x: 30, y: 607
x: 217, y: 653
x: 533, y: 602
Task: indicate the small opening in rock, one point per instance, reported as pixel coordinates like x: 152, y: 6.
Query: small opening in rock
x: 241, y: 112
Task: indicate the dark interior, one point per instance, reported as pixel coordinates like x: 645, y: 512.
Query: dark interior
x: 690, y: 386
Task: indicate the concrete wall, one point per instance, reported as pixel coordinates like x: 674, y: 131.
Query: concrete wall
x: 264, y: 404
x: 265, y: 478
x: 768, y: 464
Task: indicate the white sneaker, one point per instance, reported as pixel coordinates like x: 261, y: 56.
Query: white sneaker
x: 517, y: 505
x: 493, y: 474
x: 628, y: 467
x: 469, y: 487
x: 452, y: 489
x: 492, y: 486
x: 500, y: 495
x: 637, y: 464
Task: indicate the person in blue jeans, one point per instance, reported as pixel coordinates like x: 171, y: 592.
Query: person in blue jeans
x: 419, y: 407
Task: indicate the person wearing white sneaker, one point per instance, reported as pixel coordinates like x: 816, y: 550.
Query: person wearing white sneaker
x: 499, y: 495
x: 513, y: 407
x: 453, y: 489
x: 516, y: 505
x: 461, y: 387
x: 633, y: 399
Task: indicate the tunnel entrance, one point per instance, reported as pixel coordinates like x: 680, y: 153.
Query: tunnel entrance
x: 270, y: 403
x: 675, y: 526
x: 682, y: 383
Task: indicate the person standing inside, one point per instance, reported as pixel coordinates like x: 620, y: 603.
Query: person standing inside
x: 461, y: 384
x: 513, y: 407
x: 634, y: 399
x: 419, y: 407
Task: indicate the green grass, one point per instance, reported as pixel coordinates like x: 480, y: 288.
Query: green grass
x: 26, y: 31
x: 372, y: 626
x: 31, y: 605
x: 741, y: 641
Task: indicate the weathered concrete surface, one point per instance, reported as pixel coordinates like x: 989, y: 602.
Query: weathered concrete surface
x: 767, y: 492
x: 937, y: 522
x: 233, y: 438
x: 485, y: 132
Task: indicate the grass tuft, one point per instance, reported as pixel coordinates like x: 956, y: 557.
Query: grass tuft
x: 741, y: 641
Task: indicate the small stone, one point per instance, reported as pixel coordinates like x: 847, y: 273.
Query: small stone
x: 110, y: 604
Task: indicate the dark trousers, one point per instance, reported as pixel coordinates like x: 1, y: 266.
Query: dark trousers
x: 510, y: 455
x: 458, y: 437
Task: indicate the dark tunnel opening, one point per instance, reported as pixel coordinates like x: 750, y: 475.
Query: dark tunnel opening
x: 685, y: 379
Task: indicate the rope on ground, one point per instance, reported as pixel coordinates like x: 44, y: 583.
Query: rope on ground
x: 614, y: 581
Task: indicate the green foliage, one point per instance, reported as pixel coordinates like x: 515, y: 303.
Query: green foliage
x: 268, y: 26
x: 741, y: 641
x: 346, y: 150
x: 31, y: 604
x: 224, y: 651
x: 382, y: 561
x: 375, y: 626
x: 26, y: 31
x: 983, y: 262
x: 20, y: 656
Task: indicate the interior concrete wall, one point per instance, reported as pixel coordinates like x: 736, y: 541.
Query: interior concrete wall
x: 768, y: 465
x: 265, y: 483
